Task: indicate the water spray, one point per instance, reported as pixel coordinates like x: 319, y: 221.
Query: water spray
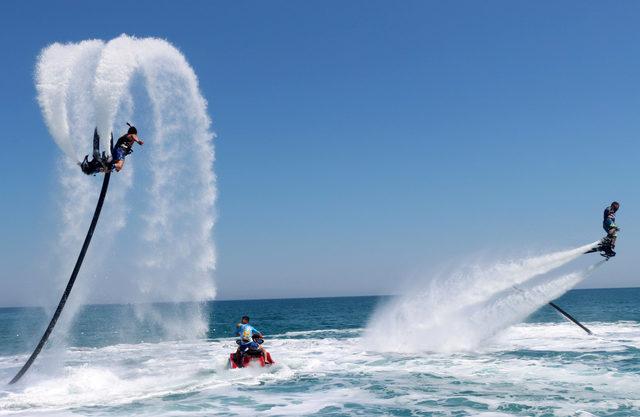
x: 166, y: 253
x: 462, y: 310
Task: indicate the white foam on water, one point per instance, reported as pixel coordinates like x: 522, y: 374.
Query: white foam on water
x: 530, y: 370
x: 461, y: 310
x: 154, y: 240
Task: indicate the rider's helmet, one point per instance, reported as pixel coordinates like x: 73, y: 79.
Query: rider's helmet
x: 615, y: 206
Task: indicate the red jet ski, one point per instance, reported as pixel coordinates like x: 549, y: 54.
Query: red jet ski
x: 248, y: 359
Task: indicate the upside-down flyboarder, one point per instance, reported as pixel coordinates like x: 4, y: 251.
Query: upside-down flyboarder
x: 103, y: 163
x: 608, y: 243
x: 99, y: 163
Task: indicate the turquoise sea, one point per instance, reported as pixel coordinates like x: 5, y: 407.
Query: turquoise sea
x: 109, y: 362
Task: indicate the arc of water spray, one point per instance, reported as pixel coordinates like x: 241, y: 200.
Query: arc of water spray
x: 81, y: 85
x: 148, y: 81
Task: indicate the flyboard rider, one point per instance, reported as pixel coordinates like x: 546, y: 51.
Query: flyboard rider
x: 122, y: 148
x: 609, y: 226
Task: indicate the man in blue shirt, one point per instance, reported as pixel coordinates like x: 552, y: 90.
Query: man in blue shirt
x: 245, y: 331
x: 250, y: 342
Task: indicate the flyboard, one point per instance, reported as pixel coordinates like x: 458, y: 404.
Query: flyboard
x: 72, y: 280
x: 605, y: 247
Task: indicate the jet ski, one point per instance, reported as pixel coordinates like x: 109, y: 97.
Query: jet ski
x: 100, y: 162
x: 244, y: 357
x: 248, y: 359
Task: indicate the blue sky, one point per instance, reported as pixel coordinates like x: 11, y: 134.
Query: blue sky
x: 360, y: 143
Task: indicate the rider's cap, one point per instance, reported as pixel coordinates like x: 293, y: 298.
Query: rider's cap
x: 615, y: 204
x: 245, y: 318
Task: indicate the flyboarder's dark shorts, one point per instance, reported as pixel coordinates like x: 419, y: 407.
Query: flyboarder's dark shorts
x: 118, y: 154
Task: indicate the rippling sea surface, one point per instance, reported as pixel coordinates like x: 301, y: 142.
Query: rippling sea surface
x: 105, y: 365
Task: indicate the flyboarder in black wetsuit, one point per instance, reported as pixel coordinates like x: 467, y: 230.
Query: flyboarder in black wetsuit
x: 122, y: 148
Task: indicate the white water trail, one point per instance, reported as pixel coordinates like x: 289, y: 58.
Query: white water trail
x: 154, y: 238
x: 484, y: 320
x: 461, y: 311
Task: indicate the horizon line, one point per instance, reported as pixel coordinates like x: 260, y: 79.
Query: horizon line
x: 275, y: 299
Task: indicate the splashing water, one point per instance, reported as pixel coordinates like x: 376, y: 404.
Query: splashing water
x: 511, y: 306
x: 154, y: 240
x: 461, y: 311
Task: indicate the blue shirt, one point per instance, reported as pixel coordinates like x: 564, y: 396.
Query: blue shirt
x: 246, y: 331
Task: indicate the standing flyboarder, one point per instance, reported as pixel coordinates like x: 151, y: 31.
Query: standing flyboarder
x: 609, y: 226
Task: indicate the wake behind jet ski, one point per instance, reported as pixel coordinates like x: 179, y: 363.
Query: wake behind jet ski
x: 103, y: 163
x: 607, y: 245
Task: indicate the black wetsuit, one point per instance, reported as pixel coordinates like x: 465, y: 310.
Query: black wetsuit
x: 123, y: 147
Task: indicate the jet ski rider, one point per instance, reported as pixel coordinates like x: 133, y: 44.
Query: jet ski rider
x: 250, y: 341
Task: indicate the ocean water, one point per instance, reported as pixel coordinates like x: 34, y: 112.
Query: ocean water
x: 111, y: 365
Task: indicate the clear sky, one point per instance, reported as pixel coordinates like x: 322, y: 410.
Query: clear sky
x: 363, y: 142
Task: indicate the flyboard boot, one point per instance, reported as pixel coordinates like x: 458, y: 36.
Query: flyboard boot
x: 99, y: 162
x: 606, y: 246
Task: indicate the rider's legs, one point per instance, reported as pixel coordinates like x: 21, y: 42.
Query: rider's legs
x: 118, y: 165
x: 239, y: 358
x: 118, y: 158
x: 612, y: 234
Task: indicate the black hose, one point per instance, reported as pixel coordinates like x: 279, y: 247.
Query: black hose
x: 567, y: 315
x: 72, y: 280
x: 561, y: 311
